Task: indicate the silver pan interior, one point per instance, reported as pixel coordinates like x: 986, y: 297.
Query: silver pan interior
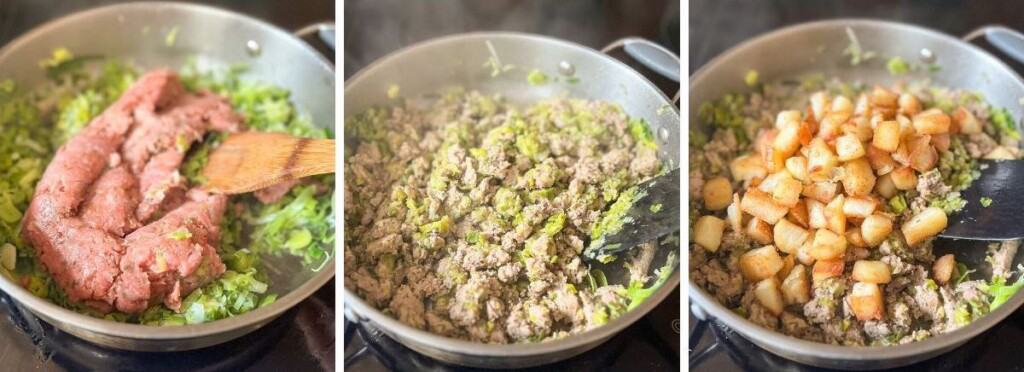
x: 817, y: 47
x: 216, y: 38
x: 427, y: 68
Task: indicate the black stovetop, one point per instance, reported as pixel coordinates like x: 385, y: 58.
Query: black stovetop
x: 374, y: 28
x: 716, y: 26
x: 300, y: 340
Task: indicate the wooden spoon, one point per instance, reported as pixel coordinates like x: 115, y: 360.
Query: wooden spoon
x: 250, y: 161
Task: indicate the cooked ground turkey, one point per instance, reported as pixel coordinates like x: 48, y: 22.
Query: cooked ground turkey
x: 467, y: 217
x: 112, y: 219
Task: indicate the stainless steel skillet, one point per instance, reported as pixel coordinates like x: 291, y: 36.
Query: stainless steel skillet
x: 137, y: 32
x: 429, y: 67
x: 794, y: 51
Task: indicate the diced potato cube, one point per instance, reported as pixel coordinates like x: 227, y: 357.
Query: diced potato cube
x: 761, y: 205
x: 877, y: 272
x: 885, y: 187
x: 771, y: 182
x: 760, y: 263
x: 942, y: 269
x: 908, y: 104
x: 866, y: 301
x: 842, y: 105
x: 816, y: 214
x: 848, y: 147
x: 862, y: 106
x: 717, y: 193
x: 707, y: 232
x: 1000, y: 153
x: 887, y: 136
x: 775, y: 160
x: 797, y: 167
x: 824, y: 269
x: 923, y: 156
x: 855, y: 238
x: 859, y: 206
x: 759, y: 230
x: 734, y: 215
x: 881, y: 161
x: 788, y: 262
x: 789, y: 139
x: 798, y: 214
x: 789, y: 237
x: 827, y: 245
x: 904, y: 178
x: 747, y: 167
x: 941, y: 142
x: 875, y: 229
x: 966, y: 121
x: 796, y: 287
x: 787, y: 192
x: 823, y: 191
x: 860, y: 127
x: 803, y: 255
x: 787, y: 118
x: 924, y: 225
x: 819, y: 105
x: 835, y: 219
x: 821, y: 160
x: 883, y: 98
x: 858, y: 178
x: 931, y: 123
x: 831, y: 127
x: 767, y: 293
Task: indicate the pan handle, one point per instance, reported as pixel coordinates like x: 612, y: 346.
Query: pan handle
x: 323, y: 30
x: 1007, y: 40
x: 651, y: 55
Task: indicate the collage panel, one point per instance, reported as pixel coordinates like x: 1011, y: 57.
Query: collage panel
x: 511, y: 185
x: 166, y: 186
x: 850, y: 185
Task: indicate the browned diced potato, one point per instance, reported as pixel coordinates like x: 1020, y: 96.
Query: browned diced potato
x: 860, y: 127
x: 835, y: 220
x: 966, y: 121
x: 767, y: 293
x: 789, y: 237
x: 787, y: 264
x: 875, y: 229
x: 819, y: 105
x: 816, y: 214
x: 787, y: 192
x: 924, y: 225
x: 1000, y: 153
x: 803, y: 255
x: 866, y: 301
x: 747, y: 167
x: 883, y: 98
x: 771, y: 182
x: 909, y: 105
x: 717, y: 193
x: 831, y: 127
x: 858, y: 178
x: 931, y: 122
x: 823, y: 191
x: 821, y: 160
x: 880, y: 160
x: 824, y: 269
x: 859, y: 206
x: 885, y: 187
x: 733, y: 214
x: 876, y: 272
x: 796, y: 287
x: 848, y: 147
x: 788, y: 140
x: 942, y: 269
x: 827, y: 245
x: 759, y: 230
x: 798, y: 214
x: 787, y: 118
x: 775, y: 160
x: 904, y: 178
x: 707, y: 232
x: 761, y: 205
x: 941, y: 142
x: 797, y: 167
x: 923, y: 156
x: 862, y: 106
x: 887, y: 136
x: 842, y: 105
x: 855, y: 238
x: 760, y: 263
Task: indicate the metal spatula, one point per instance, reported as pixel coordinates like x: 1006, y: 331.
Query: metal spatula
x: 653, y: 215
x: 1003, y: 219
x: 250, y: 161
